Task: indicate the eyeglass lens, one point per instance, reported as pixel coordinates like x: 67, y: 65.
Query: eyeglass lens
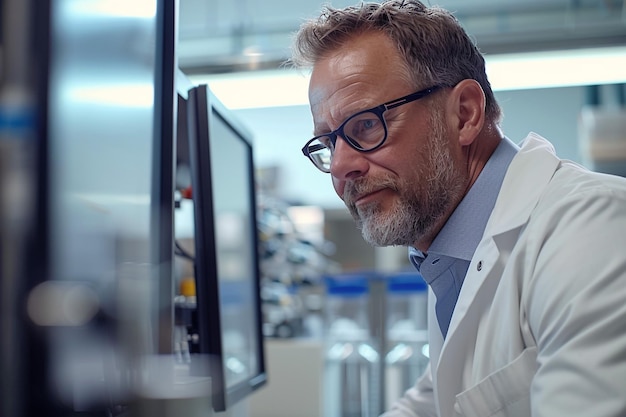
x: 363, y: 131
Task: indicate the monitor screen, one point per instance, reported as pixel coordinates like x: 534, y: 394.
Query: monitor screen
x: 226, y: 260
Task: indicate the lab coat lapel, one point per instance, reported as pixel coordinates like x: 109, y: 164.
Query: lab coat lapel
x: 480, y: 284
x: 529, y: 173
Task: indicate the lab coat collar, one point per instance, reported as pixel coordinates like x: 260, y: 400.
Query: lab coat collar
x: 528, y: 175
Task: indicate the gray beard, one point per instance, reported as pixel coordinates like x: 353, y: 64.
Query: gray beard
x: 420, y: 207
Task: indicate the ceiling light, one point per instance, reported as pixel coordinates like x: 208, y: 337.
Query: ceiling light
x: 520, y: 71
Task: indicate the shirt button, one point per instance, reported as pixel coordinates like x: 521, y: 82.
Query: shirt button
x: 479, y: 266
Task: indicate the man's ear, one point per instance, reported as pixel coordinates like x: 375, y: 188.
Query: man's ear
x: 467, y: 101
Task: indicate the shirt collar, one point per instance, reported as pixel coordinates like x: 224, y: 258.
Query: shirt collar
x: 470, y: 217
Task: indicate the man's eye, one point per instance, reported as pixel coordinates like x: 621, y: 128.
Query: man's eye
x: 365, y: 129
x: 365, y: 125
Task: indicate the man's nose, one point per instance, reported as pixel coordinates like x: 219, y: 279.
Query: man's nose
x: 347, y: 163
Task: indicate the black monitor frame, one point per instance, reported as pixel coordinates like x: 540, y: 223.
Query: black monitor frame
x: 203, y: 109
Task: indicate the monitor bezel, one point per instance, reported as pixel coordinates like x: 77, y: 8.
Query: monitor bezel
x: 203, y: 107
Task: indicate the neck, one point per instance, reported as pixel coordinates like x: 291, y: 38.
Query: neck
x: 478, y: 153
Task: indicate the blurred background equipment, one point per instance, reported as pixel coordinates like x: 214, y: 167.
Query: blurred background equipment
x: 295, y: 256
x: 294, y: 250
x: 283, y: 311
x: 406, y: 327
x: 85, y: 121
x: 352, y: 377
x: 602, y: 129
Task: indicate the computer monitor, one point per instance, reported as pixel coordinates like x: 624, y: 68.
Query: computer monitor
x: 226, y: 261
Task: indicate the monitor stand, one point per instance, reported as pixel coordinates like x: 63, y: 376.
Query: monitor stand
x: 173, y: 407
x: 167, y: 389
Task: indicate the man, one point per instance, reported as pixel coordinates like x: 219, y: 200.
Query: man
x: 524, y: 253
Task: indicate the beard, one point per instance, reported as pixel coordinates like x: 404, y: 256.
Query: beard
x: 423, y: 200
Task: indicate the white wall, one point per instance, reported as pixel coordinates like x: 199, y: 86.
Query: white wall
x: 551, y: 112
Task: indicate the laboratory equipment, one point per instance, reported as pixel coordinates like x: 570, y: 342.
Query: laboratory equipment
x: 352, y: 362
x: 406, y: 333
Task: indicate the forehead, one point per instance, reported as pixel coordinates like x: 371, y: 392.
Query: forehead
x: 366, y: 71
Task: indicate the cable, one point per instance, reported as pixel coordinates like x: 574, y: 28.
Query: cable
x: 182, y: 252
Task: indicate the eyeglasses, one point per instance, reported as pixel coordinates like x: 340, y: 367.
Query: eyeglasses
x: 364, y: 131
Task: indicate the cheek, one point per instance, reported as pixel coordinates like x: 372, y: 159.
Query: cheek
x: 400, y: 160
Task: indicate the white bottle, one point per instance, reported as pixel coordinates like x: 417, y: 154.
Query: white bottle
x: 352, y: 364
x: 406, y: 330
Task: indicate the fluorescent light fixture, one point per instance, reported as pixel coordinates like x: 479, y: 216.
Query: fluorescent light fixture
x: 557, y: 68
x: 521, y: 71
x: 254, y: 89
x: 127, y: 95
x: 145, y: 9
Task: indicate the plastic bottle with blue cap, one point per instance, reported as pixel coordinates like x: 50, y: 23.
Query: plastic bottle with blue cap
x: 352, y: 364
x: 406, y: 330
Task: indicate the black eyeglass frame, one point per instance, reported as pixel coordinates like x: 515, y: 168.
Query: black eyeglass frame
x: 378, y: 111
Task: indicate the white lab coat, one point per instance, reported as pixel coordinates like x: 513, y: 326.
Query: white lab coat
x: 539, y: 328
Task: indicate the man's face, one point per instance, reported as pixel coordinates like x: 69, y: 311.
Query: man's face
x: 402, y: 193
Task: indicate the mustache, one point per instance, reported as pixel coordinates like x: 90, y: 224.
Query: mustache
x: 364, y: 185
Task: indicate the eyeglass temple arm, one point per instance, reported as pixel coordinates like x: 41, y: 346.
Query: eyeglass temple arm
x: 410, y: 97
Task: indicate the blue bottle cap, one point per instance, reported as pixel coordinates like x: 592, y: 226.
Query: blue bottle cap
x: 406, y: 282
x: 347, y: 285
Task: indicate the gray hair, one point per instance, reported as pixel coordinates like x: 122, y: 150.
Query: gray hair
x: 436, y: 48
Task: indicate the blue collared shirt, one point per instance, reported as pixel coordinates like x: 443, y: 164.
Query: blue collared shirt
x: 445, y: 265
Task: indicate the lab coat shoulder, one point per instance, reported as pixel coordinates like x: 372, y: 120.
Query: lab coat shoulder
x: 543, y: 323
x: 573, y: 270
x: 539, y: 325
